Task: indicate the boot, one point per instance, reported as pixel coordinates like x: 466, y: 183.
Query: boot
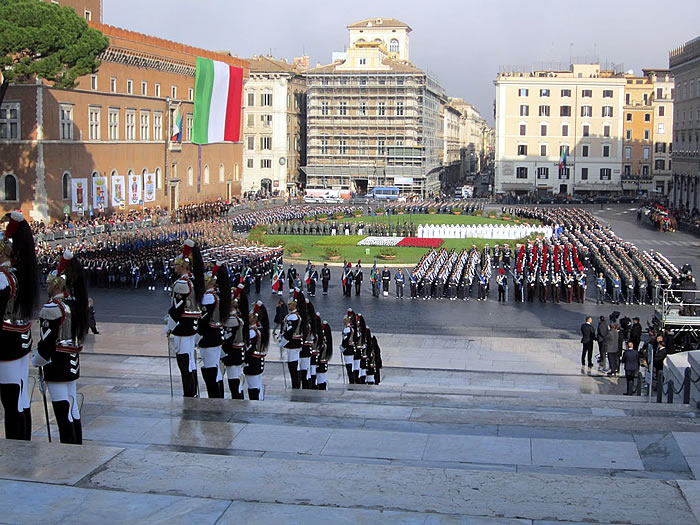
x: 303, y: 379
x: 356, y: 375
x: 234, y: 385
x: 351, y: 375
x: 66, y: 430
x: 188, y: 380
x: 214, y: 387
x: 294, y: 374
x: 254, y: 394
x: 313, y: 383
x: 14, y: 421
x: 78, y: 431
x: 27, y: 424
x: 322, y: 386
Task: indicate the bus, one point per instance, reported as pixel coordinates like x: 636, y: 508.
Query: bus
x: 388, y: 193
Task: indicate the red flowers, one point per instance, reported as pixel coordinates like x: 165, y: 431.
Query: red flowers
x: 417, y: 242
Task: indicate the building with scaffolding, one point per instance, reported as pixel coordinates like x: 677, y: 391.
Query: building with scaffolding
x: 373, y: 118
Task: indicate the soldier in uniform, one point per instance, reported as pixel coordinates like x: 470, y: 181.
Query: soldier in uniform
x: 236, y: 330
x: 386, y: 279
x: 347, y: 280
x: 216, y: 307
x: 64, y: 323
x: 18, y: 297
x: 358, y: 276
x: 258, y: 342
x: 325, y: 353
x: 502, y: 282
x: 399, y: 278
x: 257, y: 276
x: 313, y: 279
x: 307, y: 343
x: 183, y: 316
x: 348, y: 344
x: 291, y: 340
x: 600, y: 289
x: 325, y: 277
x: 414, y: 285
x: 291, y: 278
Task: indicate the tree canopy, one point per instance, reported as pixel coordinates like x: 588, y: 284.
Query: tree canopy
x: 45, y: 40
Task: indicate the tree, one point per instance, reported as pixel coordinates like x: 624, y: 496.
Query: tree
x: 41, y: 39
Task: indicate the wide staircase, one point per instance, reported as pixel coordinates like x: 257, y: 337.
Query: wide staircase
x: 425, y: 446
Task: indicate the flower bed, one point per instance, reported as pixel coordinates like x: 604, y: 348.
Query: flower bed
x: 417, y: 242
x: 380, y: 241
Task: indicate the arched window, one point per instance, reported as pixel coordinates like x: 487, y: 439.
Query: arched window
x: 206, y: 174
x: 159, y: 179
x: 9, y: 188
x: 65, y: 186
x: 221, y: 172
x: 190, y: 176
x: 235, y: 172
x: 394, y: 46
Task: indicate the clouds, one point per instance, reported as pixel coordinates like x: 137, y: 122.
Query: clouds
x: 462, y: 42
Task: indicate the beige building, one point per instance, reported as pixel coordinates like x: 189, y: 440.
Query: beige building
x: 274, y: 126
x: 374, y: 120
x: 685, y: 68
x: 648, y: 124
x: 474, y: 136
x: 546, y: 117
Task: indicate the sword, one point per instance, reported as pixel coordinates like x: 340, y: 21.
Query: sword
x: 42, y: 387
x: 170, y: 364
x: 284, y: 372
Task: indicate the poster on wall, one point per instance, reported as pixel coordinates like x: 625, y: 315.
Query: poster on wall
x: 79, y: 194
x: 99, y: 193
x: 118, y: 193
x: 149, y: 187
x: 134, y: 189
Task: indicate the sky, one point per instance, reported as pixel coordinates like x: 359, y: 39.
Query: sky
x: 463, y: 44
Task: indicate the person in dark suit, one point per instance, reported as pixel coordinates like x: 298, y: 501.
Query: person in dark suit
x: 631, y: 361
x: 587, y: 337
x: 602, y: 335
x: 636, y: 333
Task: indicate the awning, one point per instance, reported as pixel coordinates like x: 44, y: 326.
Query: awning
x: 598, y: 187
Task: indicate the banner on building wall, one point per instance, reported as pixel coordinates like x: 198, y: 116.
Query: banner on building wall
x: 79, y: 194
x: 149, y: 187
x: 134, y: 187
x: 118, y: 190
x: 99, y: 193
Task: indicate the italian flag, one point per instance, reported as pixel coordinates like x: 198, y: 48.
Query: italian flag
x: 218, y: 90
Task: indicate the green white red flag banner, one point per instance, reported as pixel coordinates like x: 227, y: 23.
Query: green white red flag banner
x: 218, y: 90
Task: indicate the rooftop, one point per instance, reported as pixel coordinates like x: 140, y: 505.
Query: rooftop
x: 267, y: 64
x: 395, y: 66
x: 379, y: 22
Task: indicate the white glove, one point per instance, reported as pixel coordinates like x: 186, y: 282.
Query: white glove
x: 37, y: 360
x: 170, y: 324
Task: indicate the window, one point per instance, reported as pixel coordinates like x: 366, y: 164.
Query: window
x: 660, y: 147
x: 544, y: 92
x: 522, y: 149
x: 157, y: 90
x: 647, y: 117
x: 189, y: 123
x: 521, y: 172
x: 93, y: 82
x: 659, y: 164
x: 157, y: 125
x: 585, y: 149
x: 399, y: 81
x: 662, y: 111
x: 113, y: 85
x: 522, y: 92
x: 399, y: 109
x: 646, y: 150
x: 343, y: 149
x: 363, y: 108
x: 543, y: 130
x: 206, y: 174
x: 628, y: 152
x: 266, y: 99
x: 173, y: 92
x: 586, y: 111
x: 628, y: 134
x: 606, y: 150
x: 523, y: 130
x: 130, y: 125
x: 564, y: 173
x: 113, y: 123
x: 361, y: 146
x: 159, y: 179
x: 190, y: 94
x: 607, y: 93
x: 145, y: 128
x: 343, y: 109
x: 646, y: 99
x: 10, y: 121
x: 606, y: 131
x: 65, y: 186
x: 250, y: 121
x: 65, y: 122
x: 544, y: 111
x: 266, y: 164
x: 94, y: 123
x: 9, y: 187
x: 130, y: 87
x: 605, y: 174
x: 324, y: 108
x: 542, y: 173
x: 627, y: 99
x: 251, y: 100
x: 144, y: 88
x: 586, y: 93
x: 584, y: 173
x: 627, y: 169
x: 251, y: 163
x: 393, y: 46
x: 266, y: 120
x: 647, y: 134
x: 564, y: 130
x: 659, y: 92
x: 381, y: 150
x: 524, y: 110
x: 607, y: 111
x: 586, y: 130
x: 251, y: 143
x: 628, y: 117
x: 543, y: 150
x: 645, y: 170
x: 221, y: 173
x: 381, y: 109
x: 363, y: 62
x: 190, y: 176
x: 564, y: 111
x: 88, y: 15
x: 265, y: 143
x: 565, y: 92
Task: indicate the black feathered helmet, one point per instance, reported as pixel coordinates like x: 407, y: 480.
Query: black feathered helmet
x: 17, y: 244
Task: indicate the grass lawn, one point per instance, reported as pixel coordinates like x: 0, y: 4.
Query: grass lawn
x: 433, y: 219
x: 313, y: 247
